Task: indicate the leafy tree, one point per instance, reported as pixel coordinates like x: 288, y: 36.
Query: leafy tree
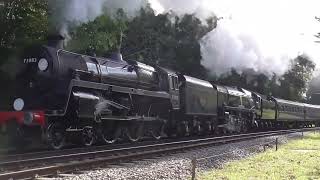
x: 167, y: 40
x: 98, y: 36
x: 233, y: 79
x: 273, y: 86
x: 23, y: 22
x: 294, y: 82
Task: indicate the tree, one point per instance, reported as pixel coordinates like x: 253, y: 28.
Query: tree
x: 294, y: 82
x: 168, y: 40
x: 233, y: 79
x: 273, y: 86
x: 99, y: 36
x: 23, y: 22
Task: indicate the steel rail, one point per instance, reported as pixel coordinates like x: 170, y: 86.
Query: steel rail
x: 85, y: 160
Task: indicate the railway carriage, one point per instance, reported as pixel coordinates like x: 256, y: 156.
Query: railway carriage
x: 289, y: 113
x: 312, y: 114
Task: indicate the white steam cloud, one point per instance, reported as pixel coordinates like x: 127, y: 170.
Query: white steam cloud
x: 223, y: 49
x: 259, y: 35
x: 67, y: 12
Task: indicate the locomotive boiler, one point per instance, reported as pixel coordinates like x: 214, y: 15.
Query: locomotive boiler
x: 66, y: 93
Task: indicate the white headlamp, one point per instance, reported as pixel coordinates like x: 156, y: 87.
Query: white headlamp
x: 43, y: 64
x: 18, y: 104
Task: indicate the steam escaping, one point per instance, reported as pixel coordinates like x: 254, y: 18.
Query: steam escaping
x: 223, y: 49
x: 67, y: 13
x: 102, y: 107
x: 181, y: 7
x: 259, y: 35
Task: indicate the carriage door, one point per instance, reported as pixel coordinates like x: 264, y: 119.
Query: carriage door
x: 174, y: 91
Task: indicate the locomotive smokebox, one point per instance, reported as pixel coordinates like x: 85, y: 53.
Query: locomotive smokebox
x: 56, y: 41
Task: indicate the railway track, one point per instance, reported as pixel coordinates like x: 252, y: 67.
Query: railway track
x: 30, y: 165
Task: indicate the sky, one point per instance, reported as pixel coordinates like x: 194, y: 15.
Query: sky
x: 262, y: 35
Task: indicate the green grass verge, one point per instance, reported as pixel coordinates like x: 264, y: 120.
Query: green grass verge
x: 298, y: 159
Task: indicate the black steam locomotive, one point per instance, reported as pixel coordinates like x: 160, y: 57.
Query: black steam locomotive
x: 65, y: 96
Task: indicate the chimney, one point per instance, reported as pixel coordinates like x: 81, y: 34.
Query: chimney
x: 117, y: 56
x: 56, y: 41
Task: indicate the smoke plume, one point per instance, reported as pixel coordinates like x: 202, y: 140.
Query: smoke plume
x: 66, y: 13
x: 260, y: 35
x: 223, y: 49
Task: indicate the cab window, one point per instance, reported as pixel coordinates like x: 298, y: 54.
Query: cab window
x: 234, y: 101
x: 174, y: 84
x: 246, y: 102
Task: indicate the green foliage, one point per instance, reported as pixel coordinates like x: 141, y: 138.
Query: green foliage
x: 167, y: 40
x: 294, y: 82
x: 291, y: 86
x: 98, y: 36
x: 23, y: 22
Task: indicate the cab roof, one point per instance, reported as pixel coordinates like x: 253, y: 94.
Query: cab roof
x: 197, y: 81
x: 234, y: 91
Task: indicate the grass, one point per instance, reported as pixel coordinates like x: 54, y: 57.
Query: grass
x: 298, y: 159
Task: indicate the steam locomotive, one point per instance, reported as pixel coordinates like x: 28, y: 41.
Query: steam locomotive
x: 64, y: 96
